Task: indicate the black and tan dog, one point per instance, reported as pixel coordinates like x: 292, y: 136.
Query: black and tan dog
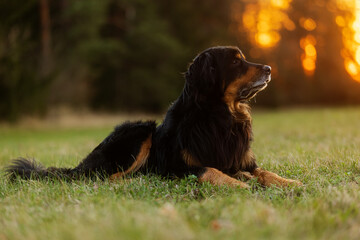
x: 206, y: 132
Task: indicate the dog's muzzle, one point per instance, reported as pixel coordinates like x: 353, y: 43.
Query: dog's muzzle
x: 257, y: 86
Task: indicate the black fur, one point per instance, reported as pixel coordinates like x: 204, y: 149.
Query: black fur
x: 29, y: 169
x: 199, y: 122
x: 119, y: 150
x: 115, y: 153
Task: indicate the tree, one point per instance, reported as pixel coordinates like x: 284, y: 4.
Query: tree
x: 22, y: 88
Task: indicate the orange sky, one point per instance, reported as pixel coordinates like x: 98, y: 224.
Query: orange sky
x: 264, y: 19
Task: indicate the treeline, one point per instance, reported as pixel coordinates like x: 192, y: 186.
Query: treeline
x: 118, y: 55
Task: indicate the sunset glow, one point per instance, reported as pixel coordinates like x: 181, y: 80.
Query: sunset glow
x: 308, y: 57
x: 308, y: 23
x: 351, y: 37
x: 351, y: 68
x: 265, y: 20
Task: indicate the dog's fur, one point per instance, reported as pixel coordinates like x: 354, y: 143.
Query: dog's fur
x: 206, y: 132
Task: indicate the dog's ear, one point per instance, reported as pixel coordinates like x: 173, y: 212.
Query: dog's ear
x: 202, y: 75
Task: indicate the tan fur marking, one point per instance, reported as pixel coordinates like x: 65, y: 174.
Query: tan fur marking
x: 267, y: 179
x: 140, y: 160
x: 190, y: 160
x: 241, y: 112
x: 247, y: 160
x: 243, y: 175
x: 232, y: 91
x: 218, y: 178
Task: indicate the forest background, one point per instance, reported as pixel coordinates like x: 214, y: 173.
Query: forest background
x: 129, y: 56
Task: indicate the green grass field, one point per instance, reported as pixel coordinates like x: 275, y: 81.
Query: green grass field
x: 320, y: 147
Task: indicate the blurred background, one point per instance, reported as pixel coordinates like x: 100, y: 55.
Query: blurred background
x: 129, y: 55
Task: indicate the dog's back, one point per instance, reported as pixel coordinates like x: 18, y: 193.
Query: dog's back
x: 124, y: 151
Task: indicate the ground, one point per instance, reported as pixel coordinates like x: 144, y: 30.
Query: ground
x: 320, y: 147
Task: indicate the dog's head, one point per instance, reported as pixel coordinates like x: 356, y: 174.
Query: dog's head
x: 222, y: 73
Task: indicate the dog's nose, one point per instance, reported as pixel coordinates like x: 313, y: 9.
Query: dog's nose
x: 267, y: 69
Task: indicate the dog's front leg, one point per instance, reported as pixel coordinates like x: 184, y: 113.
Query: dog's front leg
x: 243, y: 175
x: 267, y: 179
x: 208, y: 174
x: 216, y: 177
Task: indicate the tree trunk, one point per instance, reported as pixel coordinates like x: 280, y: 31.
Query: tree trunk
x: 46, y: 61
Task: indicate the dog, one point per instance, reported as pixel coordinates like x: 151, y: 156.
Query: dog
x: 206, y: 132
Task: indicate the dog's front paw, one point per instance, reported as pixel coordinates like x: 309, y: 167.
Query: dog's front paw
x: 242, y: 185
x: 291, y: 182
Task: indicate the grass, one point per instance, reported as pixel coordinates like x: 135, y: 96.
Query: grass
x: 320, y: 147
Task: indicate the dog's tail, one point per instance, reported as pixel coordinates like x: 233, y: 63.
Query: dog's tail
x: 30, y: 169
x: 124, y: 151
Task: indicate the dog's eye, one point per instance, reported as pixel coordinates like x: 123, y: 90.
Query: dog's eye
x: 236, y: 61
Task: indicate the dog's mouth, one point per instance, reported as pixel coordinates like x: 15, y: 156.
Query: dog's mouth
x: 250, y: 91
